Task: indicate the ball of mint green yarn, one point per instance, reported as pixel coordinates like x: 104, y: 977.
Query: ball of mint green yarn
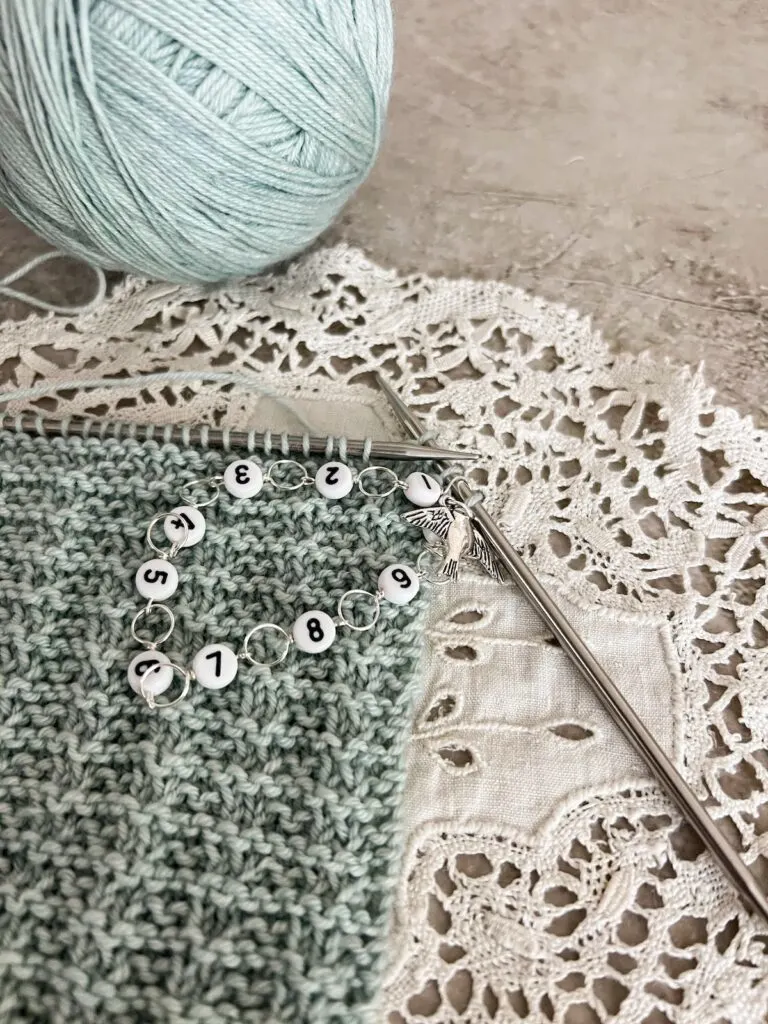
x: 189, y: 140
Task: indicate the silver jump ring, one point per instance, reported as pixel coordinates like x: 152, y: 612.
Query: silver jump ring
x: 389, y: 473
x: 177, y: 545
x: 150, y: 699
x: 474, y: 494
x: 142, y: 613
x: 424, y: 574
x: 344, y: 621
x: 281, y: 485
x: 209, y: 481
x: 245, y: 652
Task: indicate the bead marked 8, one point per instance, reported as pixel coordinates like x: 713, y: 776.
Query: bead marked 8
x: 314, y: 632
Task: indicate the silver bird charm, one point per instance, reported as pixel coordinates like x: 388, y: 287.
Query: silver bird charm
x: 451, y: 521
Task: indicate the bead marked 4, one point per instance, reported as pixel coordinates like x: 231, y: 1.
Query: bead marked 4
x: 189, y: 517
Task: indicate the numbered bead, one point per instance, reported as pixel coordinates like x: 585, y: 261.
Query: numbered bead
x: 157, y: 579
x: 186, y: 521
x: 399, y: 583
x: 243, y: 479
x: 314, y: 632
x: 422, y: 489
x: 154, y: 668
x: 215, y: 666
x: 334, y: 480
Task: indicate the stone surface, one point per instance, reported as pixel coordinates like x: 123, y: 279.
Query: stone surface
x: 604, y: 153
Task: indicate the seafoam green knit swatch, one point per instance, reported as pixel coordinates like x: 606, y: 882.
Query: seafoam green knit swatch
x: 228, y: 860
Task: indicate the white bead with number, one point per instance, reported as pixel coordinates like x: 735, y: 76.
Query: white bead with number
x: 154, y: 668
x: 398, y: 583
x: 185, y: 526
x: 422, y: 489
x: 243, y: 479
x: 334, y: 480
x: 157, y: 579
x: 314, y: 632
x: 215, y: 666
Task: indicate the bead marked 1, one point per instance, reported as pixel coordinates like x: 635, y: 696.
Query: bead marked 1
x: 189, y: 517
x: 157, y: 579
x: 399, y: 583
x: 215, y: 666
x: 243, y: 479
x: 314, y: 632
x: 422, y: 489
x: 334, y: 480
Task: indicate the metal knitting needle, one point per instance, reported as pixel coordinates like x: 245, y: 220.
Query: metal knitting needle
x: 295, y: 444
x: 622, y: 713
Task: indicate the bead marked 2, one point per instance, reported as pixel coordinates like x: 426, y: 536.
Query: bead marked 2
x: 334, y: 480
x: 157, y: 579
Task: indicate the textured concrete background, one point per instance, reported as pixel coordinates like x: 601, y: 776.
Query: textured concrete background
x: 608, y: 153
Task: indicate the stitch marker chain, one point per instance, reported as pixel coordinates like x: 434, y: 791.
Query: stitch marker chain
x: 151, y: 672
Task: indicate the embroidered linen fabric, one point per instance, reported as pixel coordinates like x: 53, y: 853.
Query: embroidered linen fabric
x: 231, y: 858
x: 546, y: 878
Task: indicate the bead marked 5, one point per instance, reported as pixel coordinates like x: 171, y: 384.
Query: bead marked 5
x: 157, y: 579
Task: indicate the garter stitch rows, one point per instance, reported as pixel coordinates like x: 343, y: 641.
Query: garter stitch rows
x: 230, y: 860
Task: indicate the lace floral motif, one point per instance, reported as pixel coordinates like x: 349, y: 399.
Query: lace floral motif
x: 644, y: 506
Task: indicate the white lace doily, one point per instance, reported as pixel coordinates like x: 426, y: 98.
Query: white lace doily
x: 546, y: 877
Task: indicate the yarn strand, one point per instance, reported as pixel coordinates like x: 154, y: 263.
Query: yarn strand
x: 52, y: 307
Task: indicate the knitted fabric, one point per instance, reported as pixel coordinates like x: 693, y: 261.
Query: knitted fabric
x: 227, y: 860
